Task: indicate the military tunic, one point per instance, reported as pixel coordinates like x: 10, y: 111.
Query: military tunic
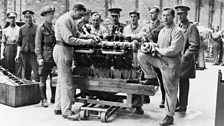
x: 44, y: 44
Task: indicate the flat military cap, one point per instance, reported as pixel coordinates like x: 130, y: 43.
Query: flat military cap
x: 182, y: 9
x: 134, y: 12
x: 48, y: 8
x: 79, y: 6
x: 11, y: 14
x: 115, y: 11
x: 28, y: 12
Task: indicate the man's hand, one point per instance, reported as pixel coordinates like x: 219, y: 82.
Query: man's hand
x: 40, y: 62
x: 2, y: 57
x: 92, y: 42
x: 135, y: 45
x: 97, y: 38
x: 17, y: 59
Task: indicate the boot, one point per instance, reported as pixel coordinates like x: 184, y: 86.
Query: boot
x: 168, y: 120
x: 53, y: 89
x: 139, y: 110
x: 43, y: 96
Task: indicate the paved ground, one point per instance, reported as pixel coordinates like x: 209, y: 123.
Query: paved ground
x: 201, y: 109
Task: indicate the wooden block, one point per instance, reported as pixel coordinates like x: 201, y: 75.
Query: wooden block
x: 114, y: 85
x: 21, y: 95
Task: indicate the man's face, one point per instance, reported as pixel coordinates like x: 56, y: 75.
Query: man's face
x: 182, y: 16
x: 12, y: 20
x: 217, y: 28
x: 28, y: 19
x: 49, y: 16
x: 134, y: 18
x: 167, y: 17
x: 115, y: 18
x: 86, y: 17
x: 153, y: 15
x: 96, y: 21
x: 78, y: 14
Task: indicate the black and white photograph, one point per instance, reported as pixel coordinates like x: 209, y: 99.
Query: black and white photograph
x: 111, y: 63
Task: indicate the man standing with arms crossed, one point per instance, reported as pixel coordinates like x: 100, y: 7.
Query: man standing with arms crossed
x: 167, y: 59
x: 66, y: 38
x: 190, y: 48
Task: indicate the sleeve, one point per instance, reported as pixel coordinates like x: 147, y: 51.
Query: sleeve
x: 3, y: 36
x: 65, y: 29
x: 38, y: 43
x: 175, y: 47
x: 19, y: 41
x: 194, y: 42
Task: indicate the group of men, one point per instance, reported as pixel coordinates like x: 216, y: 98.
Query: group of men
x: 173, y: 64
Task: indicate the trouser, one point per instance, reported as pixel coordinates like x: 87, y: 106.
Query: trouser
x: 10, y: 54
x: 183, y: 91
x: 201, y: 57
x: 44, y: 71
x: 137, y: 100
x: 159, y: 74
x: 29, y: 61
x: 65, y: 89
x: 215, y: 50
x: 170, y: 78
x: 220, y: 51
x: 19, y: 68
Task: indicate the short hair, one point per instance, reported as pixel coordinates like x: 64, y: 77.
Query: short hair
x: 156, y: 8
x: 79, y: 6
x: 172, y: 11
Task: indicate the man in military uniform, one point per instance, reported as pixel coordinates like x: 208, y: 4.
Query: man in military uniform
x: 66, y: 38
x: 153, y: 27
x: 190, y: 48
x: 8, y: 47
x: 44, y: 43
x: 167, y: 59
x: 26, y: 46
x: 115, y: 27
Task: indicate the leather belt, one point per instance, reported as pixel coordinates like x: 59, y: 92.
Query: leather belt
x: 61, y: 43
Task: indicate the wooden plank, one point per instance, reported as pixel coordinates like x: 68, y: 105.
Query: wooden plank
x: 101, y: 102
x: 114, y: 85
x: 94, y: 109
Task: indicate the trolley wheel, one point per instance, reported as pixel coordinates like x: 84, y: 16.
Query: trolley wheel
x: 103, y: 117
x: 84, y: 114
